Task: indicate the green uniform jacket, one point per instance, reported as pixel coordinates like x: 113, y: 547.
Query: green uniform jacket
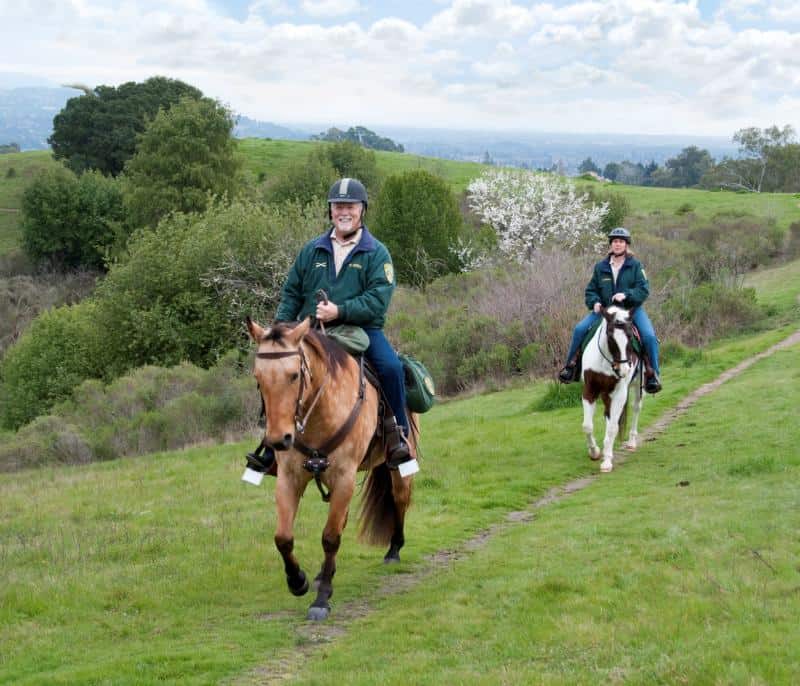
x: 362, y: 290
x: 631, y: 281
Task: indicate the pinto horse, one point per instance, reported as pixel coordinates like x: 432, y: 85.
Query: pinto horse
x: 610, y: 365
x: 321, y: 419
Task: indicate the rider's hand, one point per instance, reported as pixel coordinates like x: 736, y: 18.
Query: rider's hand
x: 618, y: 297
x: 327, y: 312
x: 597, y: 307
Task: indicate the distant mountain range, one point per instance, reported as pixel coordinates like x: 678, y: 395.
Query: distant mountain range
x: 26, y: 118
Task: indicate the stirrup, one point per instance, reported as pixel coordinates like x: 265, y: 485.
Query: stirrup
x: 568, y: 373
x: 652, y: 384
x: 261, y: 459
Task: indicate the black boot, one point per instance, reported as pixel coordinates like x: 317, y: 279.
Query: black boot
x: 262, y: 459
x: 397, y: 450
x: 652, y: 383
x: 569, y: 372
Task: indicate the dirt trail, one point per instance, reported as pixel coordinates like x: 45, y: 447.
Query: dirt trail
x: 311, y: 636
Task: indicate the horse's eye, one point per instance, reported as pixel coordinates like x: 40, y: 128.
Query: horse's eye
x: 294, y: 377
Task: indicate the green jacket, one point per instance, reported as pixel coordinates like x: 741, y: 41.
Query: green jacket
x: 631, y: 280
x: 362, y: 290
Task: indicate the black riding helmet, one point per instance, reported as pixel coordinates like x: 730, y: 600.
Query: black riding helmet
x: 620, y: 232
x: 347, y: 190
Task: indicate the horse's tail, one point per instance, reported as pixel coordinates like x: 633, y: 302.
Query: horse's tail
x: 378, y: 513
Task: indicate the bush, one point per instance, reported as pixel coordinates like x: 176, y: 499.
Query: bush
x: 71, y: 222
x: 61, y: 349
x: 418, y: 219
x: 305, y: 182
x: 619, y: 206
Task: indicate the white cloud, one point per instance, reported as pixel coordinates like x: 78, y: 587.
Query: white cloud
x: 330, y: 8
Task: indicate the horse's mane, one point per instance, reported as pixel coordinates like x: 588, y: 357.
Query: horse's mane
x: 332, y: 353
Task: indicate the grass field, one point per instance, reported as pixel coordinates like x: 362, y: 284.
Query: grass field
x: 162, y: 568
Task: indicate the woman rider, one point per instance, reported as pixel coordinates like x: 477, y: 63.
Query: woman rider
x: 618, y: 279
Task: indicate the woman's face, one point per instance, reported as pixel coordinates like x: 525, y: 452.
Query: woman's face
x: 619, y: 246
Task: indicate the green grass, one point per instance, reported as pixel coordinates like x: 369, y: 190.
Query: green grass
x: 171, y: 556
x: 654, y: 204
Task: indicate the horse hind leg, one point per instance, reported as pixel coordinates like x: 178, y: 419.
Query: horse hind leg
x: 401, y: 494
x: 633, y: 436
x: 588, y: 428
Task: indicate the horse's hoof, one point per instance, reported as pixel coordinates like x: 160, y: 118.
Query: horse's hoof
x: 595, y: 455
x: 318, y: 614
x: 606, y: 467
x: 391, y: 559
x: 300, y: 588
x: 630, y: 447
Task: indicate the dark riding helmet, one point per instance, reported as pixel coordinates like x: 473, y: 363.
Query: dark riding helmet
x: 620, y: 232
x: 348, y: 190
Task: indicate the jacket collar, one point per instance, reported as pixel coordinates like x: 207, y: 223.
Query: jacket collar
x: 605, y: 264
x: 365, y: 244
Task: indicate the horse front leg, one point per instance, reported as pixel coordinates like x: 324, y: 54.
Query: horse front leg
x: 588, y: 428
x: 287, y: 497
x: 612, y: 429
x: 341, y: 495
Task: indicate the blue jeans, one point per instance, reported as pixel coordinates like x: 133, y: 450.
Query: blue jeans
x: 640, y: 320
x: 387, y: 365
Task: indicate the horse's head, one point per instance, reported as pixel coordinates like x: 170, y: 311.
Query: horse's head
x: 283, y: 376
x: 619, y: 335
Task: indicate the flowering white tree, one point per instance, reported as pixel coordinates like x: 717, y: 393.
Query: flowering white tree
x: 528, y: 209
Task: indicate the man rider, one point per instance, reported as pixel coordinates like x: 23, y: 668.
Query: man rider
x: 618, y: 279
x: 356, y: 272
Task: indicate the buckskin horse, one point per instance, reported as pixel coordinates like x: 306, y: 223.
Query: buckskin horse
x: 610, y: 365
x: 321, y: 419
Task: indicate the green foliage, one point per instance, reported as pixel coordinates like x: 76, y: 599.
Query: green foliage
x: 185, y: 157
x: 619, y: 206
x: 60, y: 349
x: 99, y: 130
x: 686, y: 208
x: 11, y: 173
x: 69, y: 221
x: 305, y: 181
x: 588, y: 165
x: 419, y: 221
x: 351, y: 160
x: 361, y: 136
x: 558, y: 396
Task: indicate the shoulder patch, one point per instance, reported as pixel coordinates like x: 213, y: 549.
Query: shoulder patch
x: 388, y: 269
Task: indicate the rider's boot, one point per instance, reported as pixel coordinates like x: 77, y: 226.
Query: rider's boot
x: 569, y: 372
x: 652, y: 383
x: 262, y: 459
x: 397, y: 448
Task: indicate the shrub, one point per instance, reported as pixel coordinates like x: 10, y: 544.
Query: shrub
x: 61, y: 349
x: 71, y: 222
x: 685, y: 208
x: 305, y: 182
x: 418, y: 219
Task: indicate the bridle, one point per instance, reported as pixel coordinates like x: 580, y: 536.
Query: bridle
x: 317, y: 458
x: 615, y: 363
x: 300, y: 421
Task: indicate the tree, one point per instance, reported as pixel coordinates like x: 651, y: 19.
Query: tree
x: 418, y: 219
x: 98, y: 130
x: 755, y: 145
x: 304, y: 181
x: 611, y: 171
x: 70, y: 221
x: 588, y: 166
x: 185, y: 156
x: 689, y: 166
x: 361, y: 135
x: 529, y: 210
x: 354, y: 161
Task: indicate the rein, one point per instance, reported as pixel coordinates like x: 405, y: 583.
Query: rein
x: 317, y: 458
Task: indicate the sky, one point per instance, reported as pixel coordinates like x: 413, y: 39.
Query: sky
x: 703, y: 67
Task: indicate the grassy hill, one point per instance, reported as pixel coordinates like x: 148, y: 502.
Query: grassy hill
x: 679, y: 567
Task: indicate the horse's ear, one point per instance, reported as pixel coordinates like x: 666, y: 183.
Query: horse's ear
x: 298, y: 332
x: 256, y: 332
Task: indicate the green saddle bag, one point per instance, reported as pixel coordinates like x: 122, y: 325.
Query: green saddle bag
x: 352, y: 338
x: 420, y: 391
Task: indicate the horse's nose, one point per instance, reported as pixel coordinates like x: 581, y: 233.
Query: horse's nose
x: 283, y: 444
